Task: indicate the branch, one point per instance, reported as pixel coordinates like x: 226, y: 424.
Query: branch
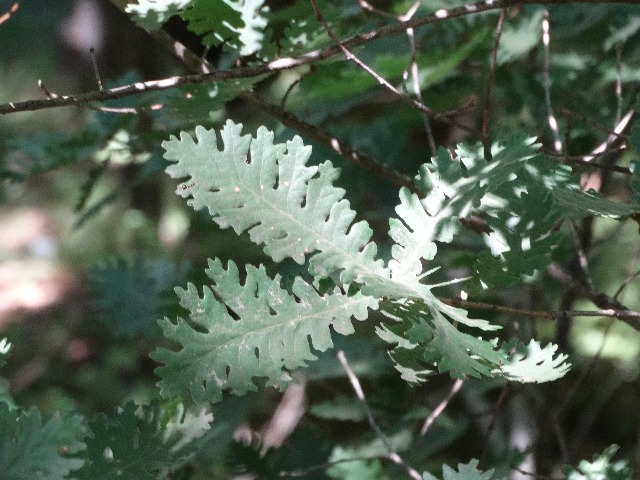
x: 610, y: 306
x: 282, y: 63
x: 344, y: 150
x: 615, y: 309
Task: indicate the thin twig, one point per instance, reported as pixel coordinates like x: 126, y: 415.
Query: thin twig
x: 417, y: 91
x: 45, y: 90
x: 619, y: 313
x: 486, y: 113
x: 629, y: 275
x: 441, y: 407
x: 119, y: 110
x: 583, y: 118
x: 392, y: 454
x: 546, y: 83
x: 534, y: 475
x: 581, y: 160
x: 412, y: 69
x: 621, y: 127
x: 381, y: 80
x: 619, y: 82
x: 581, y: 256
x: 96, y: 72
x: 197, y: 64
x: 608, y: 305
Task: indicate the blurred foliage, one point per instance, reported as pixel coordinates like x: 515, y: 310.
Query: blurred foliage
x: 85, y: 194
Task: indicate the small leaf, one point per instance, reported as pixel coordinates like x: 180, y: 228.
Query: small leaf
x: 467, y: 471
x: 602, y: 468
x: 533, y: 364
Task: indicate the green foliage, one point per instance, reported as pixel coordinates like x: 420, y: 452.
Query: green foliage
x: 467, y: 471
x: 142, y: 443
x: 131, y: 296
x: 237, y: 24
x: 531, y: 363
x: 252, y: 184
x: 32, y: 448
x: 267, y: 189
x: 484, y: 221
x: 602, y: 468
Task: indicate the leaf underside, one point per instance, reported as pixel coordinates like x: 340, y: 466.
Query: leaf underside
x: 239, y: 331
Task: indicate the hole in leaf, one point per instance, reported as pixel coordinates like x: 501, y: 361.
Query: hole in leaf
x: 256, y: 352
x: 231, y: 313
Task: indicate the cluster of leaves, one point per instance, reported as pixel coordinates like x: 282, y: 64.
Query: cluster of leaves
x: 145, y: 442
x: 295, y: 211
x: 249, y: 326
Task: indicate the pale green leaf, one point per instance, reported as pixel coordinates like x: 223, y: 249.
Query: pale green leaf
x: 273, y: 333
x: 425, y: 339
x: 467, y: 471
x: 534, y: 364
x: 602, y: 468
x: 412, y: 236
x: 268, y: 190
x: 151, y: 14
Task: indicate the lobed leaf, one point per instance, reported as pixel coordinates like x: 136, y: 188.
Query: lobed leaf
x: 426, y: 338
x: 152, y: 14
x: 467, y: 471
x: 534, y: 364
x: 253, y: 329
x: 266, y: 189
